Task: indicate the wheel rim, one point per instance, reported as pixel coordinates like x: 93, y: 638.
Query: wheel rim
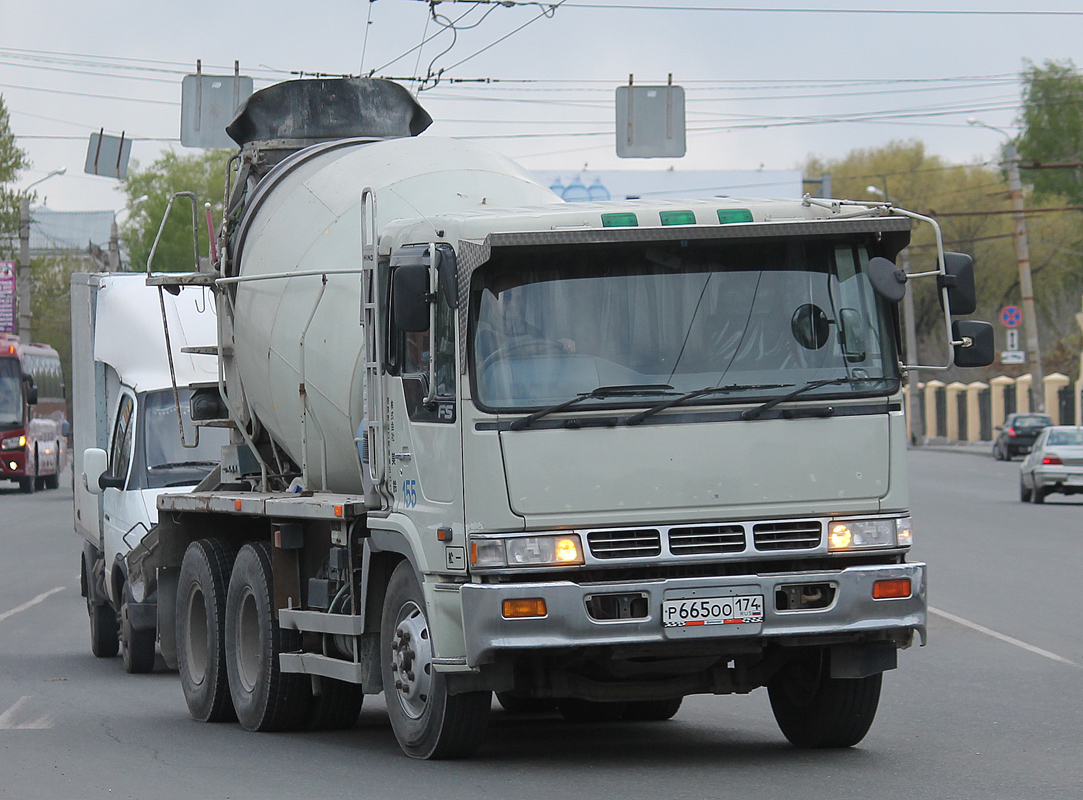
x: 411, y: 660
x: 249, y: 651
x: 197, y: 646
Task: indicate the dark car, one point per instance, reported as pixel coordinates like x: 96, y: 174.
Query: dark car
x: 1018, y: 434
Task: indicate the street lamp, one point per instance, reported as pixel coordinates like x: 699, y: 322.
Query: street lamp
x: 24, y: 254
x: 913, y: 412
x: 1022, y: 253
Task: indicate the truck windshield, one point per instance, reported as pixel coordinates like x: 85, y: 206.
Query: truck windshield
x: 11, y: 393
x: 550, y: 324
x: 169, y: 463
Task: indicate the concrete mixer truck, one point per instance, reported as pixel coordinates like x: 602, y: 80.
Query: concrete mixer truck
x: 593, y: 458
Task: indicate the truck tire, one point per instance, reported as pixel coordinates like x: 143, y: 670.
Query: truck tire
x: 428, y: 722
x: 336, y: 707
x: 814, y: 710
x: 652, y: 710
x: 1037, y: 496
x: 104, y: 642
x: 201, y: 612
x: 264, y: 697
x: 136, y: 646
x: 575, y: 710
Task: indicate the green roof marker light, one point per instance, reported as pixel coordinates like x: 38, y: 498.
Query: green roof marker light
x: 625, y: 220
x: 727, y: 216
x: 677, y: 217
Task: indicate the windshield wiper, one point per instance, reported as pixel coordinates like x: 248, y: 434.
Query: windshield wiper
x: 635, y: 419
x: 178, y: 464
x: 601, y: 392
x: 754, y: 413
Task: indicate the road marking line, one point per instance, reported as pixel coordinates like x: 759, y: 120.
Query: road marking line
x: 1002, y: 637
x: 30, y: 603
x: 41, y: 723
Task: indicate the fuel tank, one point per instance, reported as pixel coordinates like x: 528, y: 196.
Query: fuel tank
x: 305, y: 215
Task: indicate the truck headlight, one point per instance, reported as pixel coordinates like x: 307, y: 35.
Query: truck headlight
x: 13, y: 443
x: 861, y: 534
x: 564, y: 549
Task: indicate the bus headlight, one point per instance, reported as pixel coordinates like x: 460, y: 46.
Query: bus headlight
x: 13, y: 443
x: 862, y: 534
x: 563, y: 549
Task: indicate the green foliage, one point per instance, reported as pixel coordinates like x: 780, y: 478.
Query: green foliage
x: 50, y: 305
x: 12, y: 161
x: 149, y: 191
x: 1052, y: 119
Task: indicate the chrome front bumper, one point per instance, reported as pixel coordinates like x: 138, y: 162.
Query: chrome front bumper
x: 853, y: 611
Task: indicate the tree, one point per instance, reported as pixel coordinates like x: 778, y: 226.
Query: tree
x: 148, y: 193
x: 1052, y: 121
x: 12, y: 161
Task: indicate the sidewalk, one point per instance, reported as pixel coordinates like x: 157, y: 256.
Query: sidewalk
x: 945, y: 445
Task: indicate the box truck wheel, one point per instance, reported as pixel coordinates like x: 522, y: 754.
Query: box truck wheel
x: 136, y: 646
x: 428, y: 722
x: 103, y: 629
x: 201, y: 612
x: 336, y: 706
x: 264, y: 697
x: 814, y: 710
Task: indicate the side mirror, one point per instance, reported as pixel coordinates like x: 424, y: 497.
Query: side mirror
x: 852, y: 334
x: 95, y: 463
x: 410, y: 298
x: 959, y: 281
x: 979, y: 352
x: 31, y: 395
x: 65, y: 429
x: 887, y: 280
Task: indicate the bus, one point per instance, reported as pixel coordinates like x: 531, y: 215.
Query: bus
x: 33, y: 415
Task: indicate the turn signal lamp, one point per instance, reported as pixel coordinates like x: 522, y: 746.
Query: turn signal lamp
x: 527, y: 607
x: 11, y: 349
x: 1052, y: 459
x: 896, y: 589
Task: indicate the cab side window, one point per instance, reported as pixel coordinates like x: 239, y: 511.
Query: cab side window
x: 417, y: 348
x: 123, y: 431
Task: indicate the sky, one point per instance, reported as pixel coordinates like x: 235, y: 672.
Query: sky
x: 767, y: 85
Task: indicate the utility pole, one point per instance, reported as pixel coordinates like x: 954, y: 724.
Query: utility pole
x: 1022, y: 254
x: 24, y: 267
x: 24, y: 255
x: 1026, y: 287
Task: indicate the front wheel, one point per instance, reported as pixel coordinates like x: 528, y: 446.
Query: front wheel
x: 103, y: 629
x: 428, y: 721
x: 136, y: 645
x: 1024, y: 492
x: 28, y: 484
x: 814, y: 710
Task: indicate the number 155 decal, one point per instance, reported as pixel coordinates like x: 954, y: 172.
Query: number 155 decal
x: 409, y: 494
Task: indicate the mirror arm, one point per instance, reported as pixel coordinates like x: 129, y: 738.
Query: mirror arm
x: 434, y: 279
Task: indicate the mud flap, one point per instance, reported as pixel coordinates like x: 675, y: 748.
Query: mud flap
x: 863, y: 660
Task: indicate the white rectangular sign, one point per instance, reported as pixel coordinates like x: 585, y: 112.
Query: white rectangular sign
x: 1013, y: 357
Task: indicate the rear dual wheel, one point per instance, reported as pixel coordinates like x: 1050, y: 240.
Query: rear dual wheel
x: 201, y: 609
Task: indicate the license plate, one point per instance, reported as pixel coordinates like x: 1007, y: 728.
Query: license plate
x: 694, y: 612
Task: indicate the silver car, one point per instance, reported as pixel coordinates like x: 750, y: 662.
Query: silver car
x: 1055, y: 464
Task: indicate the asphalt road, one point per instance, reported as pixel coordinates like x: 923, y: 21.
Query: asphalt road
x: 991, y: 708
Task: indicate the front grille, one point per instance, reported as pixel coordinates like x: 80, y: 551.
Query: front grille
x: 787, y: 535
x: 636, y: 543
x: 707, y: 539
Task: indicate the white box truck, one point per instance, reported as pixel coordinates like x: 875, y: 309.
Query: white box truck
x: 598, y: 457
x: 128, y: 440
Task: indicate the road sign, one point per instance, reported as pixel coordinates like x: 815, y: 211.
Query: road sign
x: 1013, y: 338
x: 7, y: 297
x: 1011, y: 316
x: 1013, y: 357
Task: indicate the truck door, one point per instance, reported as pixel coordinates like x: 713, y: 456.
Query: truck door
x: 122, y: 508
x: 425, y: 446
